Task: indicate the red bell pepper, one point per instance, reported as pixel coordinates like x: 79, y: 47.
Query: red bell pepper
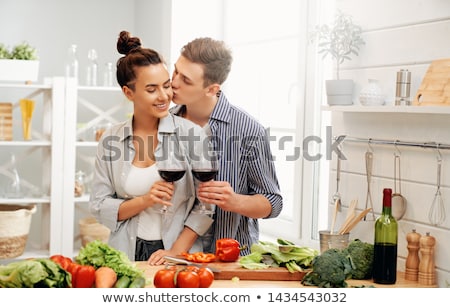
x: 227, y: 249
x: 83, y: 276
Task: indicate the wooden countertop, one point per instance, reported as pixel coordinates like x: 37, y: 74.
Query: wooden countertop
x: 401, y: 282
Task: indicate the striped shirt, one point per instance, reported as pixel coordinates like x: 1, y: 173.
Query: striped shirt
x: 246, y: 163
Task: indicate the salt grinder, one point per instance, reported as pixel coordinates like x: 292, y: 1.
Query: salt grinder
x: 427, y: 272
x: 412, y: 261
x: 403, y: 88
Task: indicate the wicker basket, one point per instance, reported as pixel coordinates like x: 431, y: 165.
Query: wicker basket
x: 15, y: 221
x: 91, y: 229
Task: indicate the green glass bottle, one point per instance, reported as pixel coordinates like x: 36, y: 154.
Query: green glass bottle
x: 385, y: 244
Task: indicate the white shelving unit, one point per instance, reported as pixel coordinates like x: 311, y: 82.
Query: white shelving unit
x: 390, y: 109
x: 92, y: 106
x: 49, y: 140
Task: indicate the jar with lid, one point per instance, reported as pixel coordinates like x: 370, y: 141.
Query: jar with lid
x: 80, y: 187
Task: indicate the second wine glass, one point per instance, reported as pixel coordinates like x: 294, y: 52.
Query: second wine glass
x: 171, y: 165
x: 205, y: 169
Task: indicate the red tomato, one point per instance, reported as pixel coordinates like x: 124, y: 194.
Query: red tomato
x: 188, y: 279
x: 63, y: 261
x: 164, y: 278
x: 206, y: 277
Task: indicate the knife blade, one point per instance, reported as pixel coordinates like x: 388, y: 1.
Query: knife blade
x: 186, y: 262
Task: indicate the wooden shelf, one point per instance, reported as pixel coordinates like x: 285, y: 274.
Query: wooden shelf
x: 25, y: 86
x: 25, y: 200
x: 390, y: 109
x: 37, y: 143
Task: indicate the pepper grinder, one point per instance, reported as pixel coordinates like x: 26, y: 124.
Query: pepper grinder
x: 427, y: 272
x: 412, y: 261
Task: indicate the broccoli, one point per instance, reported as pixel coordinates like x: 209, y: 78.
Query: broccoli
x: 361, y: 256
x: 329, y: 270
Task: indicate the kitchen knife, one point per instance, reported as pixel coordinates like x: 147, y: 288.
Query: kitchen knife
x: 186, y: 262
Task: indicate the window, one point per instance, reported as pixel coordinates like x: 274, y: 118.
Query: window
x: 268, y: 79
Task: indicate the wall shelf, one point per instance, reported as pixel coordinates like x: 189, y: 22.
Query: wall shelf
x: 389, y: 109
x: 37, y: 143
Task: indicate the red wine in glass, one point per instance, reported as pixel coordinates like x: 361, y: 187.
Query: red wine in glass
x: 171, y: 175
x: 204, y: 175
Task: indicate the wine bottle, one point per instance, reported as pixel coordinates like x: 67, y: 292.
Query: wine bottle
x: 385, y: 244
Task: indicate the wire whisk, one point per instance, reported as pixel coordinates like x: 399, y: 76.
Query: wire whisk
x: 436, y: 215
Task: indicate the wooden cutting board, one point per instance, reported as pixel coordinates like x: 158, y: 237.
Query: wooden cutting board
x: 229, y: 270
x: 435, y: 87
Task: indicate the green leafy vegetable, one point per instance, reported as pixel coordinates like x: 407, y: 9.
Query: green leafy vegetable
x: 268, y: 254
x: 98, y: 254
x: 35, y: 273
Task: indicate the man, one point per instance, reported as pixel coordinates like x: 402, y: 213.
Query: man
x: 246, y: 187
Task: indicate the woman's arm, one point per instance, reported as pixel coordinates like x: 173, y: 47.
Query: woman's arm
x: 183, y: 243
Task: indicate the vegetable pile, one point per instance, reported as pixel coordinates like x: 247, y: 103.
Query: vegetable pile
x: 82, y: 276
x: 99, y: 254
x: 333, y: 267
x: 283, y: 253
x: 36, y: 273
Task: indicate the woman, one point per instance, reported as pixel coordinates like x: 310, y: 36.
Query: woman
x: 126, y: 186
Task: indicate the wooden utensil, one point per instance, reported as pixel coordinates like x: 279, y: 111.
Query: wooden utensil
x: 355, y: 221
x: 337, y: 204
x: 350, y: 215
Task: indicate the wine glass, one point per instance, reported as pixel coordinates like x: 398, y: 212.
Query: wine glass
x: 171, y: 165
x: 205, y: 169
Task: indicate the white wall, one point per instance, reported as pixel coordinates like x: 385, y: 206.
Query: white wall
x: 399, y: 35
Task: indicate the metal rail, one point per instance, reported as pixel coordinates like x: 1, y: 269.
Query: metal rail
x: 371, y: 141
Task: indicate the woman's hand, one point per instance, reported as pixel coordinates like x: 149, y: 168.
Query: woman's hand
x: 160, y: 193
x: 157, y: 258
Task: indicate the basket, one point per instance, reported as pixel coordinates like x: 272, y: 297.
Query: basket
x: 15, y: 221
x: 91, y: 229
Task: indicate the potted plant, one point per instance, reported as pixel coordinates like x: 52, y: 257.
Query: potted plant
x: 19, y: 64
x: 340, y: 41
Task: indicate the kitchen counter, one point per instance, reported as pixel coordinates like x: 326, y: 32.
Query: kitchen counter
x: 241, y: 283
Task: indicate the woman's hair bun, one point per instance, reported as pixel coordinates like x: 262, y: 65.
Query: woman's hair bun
x: 127, y: 43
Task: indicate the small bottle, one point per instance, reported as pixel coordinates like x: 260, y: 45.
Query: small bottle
x: 108, y: 75
x: 79, y: 183
x: 385, y: 243
x: 72, y: 62
x: 13, y: 185
x: 92, y: 68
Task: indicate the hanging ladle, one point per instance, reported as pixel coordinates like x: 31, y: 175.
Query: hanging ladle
x: 398, y: 200
x: 436, y: 214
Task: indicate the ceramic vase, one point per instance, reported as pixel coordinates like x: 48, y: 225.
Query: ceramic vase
x: 371, y: 94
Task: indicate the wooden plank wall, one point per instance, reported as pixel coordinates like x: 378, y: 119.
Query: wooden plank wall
x: 402, y: 34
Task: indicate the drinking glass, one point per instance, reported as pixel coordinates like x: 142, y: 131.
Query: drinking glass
x: 171, y: 165
x: 27, y: 108
x: 205, y: 169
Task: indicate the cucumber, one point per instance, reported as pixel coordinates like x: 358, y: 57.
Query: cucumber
x: 122, y: 282
x: 138, y: 282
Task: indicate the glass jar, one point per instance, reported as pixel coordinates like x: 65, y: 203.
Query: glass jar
x: 80, y: 187
x: 100, y: 129
x: 371, y: 94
